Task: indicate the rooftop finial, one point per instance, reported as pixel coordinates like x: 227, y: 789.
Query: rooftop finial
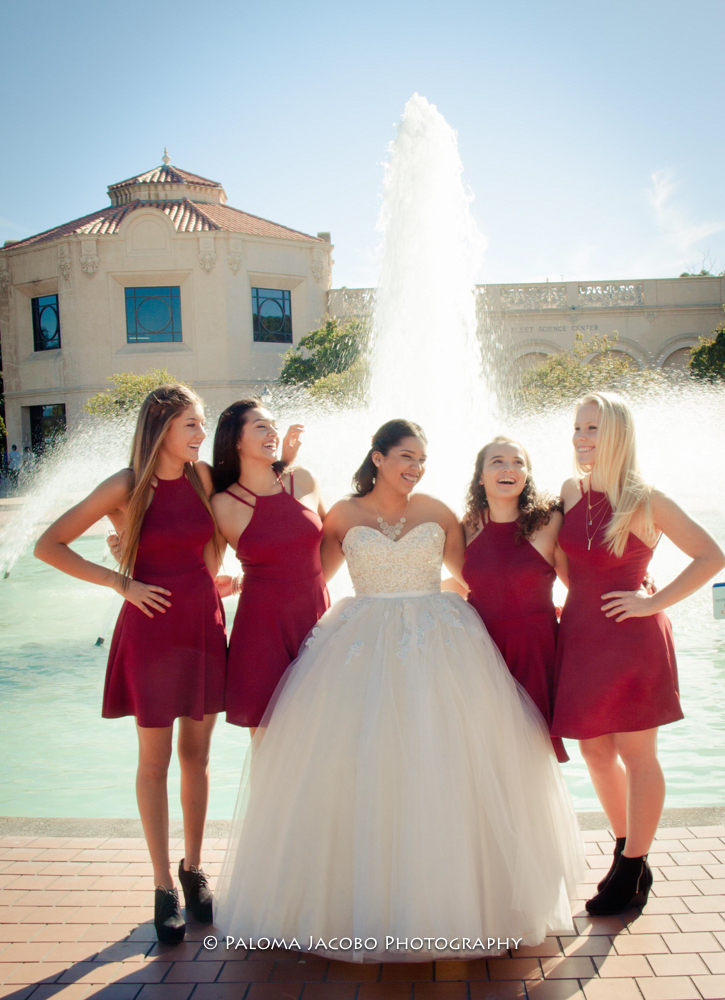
x: 166, y: 158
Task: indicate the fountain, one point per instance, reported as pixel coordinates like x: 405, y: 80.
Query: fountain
x: 427, y: 365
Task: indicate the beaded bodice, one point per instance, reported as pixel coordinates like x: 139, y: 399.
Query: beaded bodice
x: 378, y: 565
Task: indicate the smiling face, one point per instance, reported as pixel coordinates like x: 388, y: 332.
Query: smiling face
x: 402, y: 468
x: 259, y: 440
x: 504, y: 472
x: 185, y: 434
x: 586, y: 430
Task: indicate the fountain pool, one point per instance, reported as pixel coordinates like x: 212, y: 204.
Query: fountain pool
x: 59, y: 758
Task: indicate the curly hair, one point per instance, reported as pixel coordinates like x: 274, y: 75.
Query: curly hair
x: 535, y: 506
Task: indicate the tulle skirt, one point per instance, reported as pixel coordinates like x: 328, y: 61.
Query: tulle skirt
x: 402, y: 800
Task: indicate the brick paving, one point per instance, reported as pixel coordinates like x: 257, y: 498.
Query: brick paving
x: 75, y: 922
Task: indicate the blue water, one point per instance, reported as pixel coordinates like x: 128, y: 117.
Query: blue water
x: 59, y: 758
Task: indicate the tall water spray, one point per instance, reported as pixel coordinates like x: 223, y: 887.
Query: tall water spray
x: 427, y: 360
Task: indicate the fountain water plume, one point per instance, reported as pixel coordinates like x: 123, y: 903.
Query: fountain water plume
x: 427, y: 361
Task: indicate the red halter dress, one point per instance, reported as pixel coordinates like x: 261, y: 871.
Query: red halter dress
x: 511, y: 588
x: 283, y: 596
x: 611, y: 677
x: 173, y: 664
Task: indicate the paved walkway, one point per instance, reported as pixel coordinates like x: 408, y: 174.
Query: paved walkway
x: 75, y: 923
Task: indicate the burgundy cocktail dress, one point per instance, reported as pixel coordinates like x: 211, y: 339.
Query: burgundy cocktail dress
x: 611, y: 677
x: 173, y: 664
x: 283, y: 596
x: 511, y: 588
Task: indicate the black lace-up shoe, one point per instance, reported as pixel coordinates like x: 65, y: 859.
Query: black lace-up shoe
x: 169, y: 924
x: 198, y: 896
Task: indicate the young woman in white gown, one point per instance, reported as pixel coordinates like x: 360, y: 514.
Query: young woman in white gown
x: 402, y: 786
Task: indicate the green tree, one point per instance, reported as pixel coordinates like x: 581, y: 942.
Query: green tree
x: 566, y: 376
x: 129, y: 391
x: 331, y: 350
x: 708, y: 360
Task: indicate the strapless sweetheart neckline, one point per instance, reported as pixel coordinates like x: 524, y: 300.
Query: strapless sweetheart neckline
x: 379, y: 533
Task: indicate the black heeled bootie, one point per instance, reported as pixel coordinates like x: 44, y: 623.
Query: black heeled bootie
x: 198, y: 896
x: 628, y: 885
x: 169, y: 924
x: 618, y: 848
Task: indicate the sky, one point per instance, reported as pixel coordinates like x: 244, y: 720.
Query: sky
x: 591, y: 133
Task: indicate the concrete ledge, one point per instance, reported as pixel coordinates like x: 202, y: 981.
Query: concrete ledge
x: 41, y: 826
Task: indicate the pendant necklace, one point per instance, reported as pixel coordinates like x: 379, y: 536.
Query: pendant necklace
x: 390, y: 531
x: 590, y: 510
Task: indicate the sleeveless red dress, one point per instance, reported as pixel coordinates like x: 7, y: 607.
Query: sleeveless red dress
x: 283, y: 596
x: 611, y: 677
x: 173, y: 664
x: 511, y: 588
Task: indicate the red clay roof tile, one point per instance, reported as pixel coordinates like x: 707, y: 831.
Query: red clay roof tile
x: 187, y: 216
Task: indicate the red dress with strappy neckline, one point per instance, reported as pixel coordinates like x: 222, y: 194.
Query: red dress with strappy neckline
x: 511, y: 588
x: 283, y: 596
x: 173, y: 664
x: 611, y: 677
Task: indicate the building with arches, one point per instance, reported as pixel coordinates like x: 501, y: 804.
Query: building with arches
x: 169, y: 275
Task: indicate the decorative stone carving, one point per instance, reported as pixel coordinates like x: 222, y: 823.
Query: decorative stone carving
x: 535, y: 297
x: 650, y: 316
x: 598, y: 296
x: 235, y: 262
x: 207, y: 260
x: 64, y: 261
x: 89, y: 257
x: 207, y: 254
x: 5, y: 281
x: 89, y: 263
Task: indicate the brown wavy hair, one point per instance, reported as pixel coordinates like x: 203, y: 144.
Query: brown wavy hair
x: 535, y: 506
x: 159, y: 408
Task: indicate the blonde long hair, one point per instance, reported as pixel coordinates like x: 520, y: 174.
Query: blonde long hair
x: 159, y: 408
x: 616, y: 472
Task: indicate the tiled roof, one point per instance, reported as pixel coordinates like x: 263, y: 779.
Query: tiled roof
x: 165, y: 175
x: 187, y: 217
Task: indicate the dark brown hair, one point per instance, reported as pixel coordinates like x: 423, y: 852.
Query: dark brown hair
x: 535, y: 507
x: 159, y: 408
x: 385, y: 438
x: 226, y: 467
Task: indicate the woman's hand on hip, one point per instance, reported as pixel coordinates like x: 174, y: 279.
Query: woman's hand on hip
x: 145, y: 596
x: 623, y: 604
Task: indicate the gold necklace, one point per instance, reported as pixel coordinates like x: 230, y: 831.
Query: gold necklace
x: 588, y: 522
x: 390, y: 530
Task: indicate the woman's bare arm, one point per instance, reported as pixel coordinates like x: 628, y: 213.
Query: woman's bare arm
x: 53, y: 546
x: 706, y: 556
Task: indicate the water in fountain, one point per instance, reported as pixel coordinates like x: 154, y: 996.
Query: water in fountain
x: 427, y: 362
x: 427, y: 366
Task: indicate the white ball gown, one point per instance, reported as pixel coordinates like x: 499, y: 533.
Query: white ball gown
x: 403, y: 785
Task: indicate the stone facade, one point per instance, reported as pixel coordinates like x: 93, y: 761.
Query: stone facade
x: 165, y: 228
x: 657, y: 320
x: 169, y: 227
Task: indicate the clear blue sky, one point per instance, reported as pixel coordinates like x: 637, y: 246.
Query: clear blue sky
x: 591, y: 133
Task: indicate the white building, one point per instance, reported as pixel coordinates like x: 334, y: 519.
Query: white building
x: 167, y: 275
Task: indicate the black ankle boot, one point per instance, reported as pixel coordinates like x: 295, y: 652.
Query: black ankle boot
x: 198, y: 896
x: 169, y: 924
x: 618, y: 848
x: 628, y: 885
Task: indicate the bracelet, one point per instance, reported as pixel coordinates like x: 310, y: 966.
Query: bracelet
x: 237, y: 585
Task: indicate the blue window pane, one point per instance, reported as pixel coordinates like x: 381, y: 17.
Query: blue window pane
x: 46, y: 323
x: 153, y: 314
x: 271, y: 315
